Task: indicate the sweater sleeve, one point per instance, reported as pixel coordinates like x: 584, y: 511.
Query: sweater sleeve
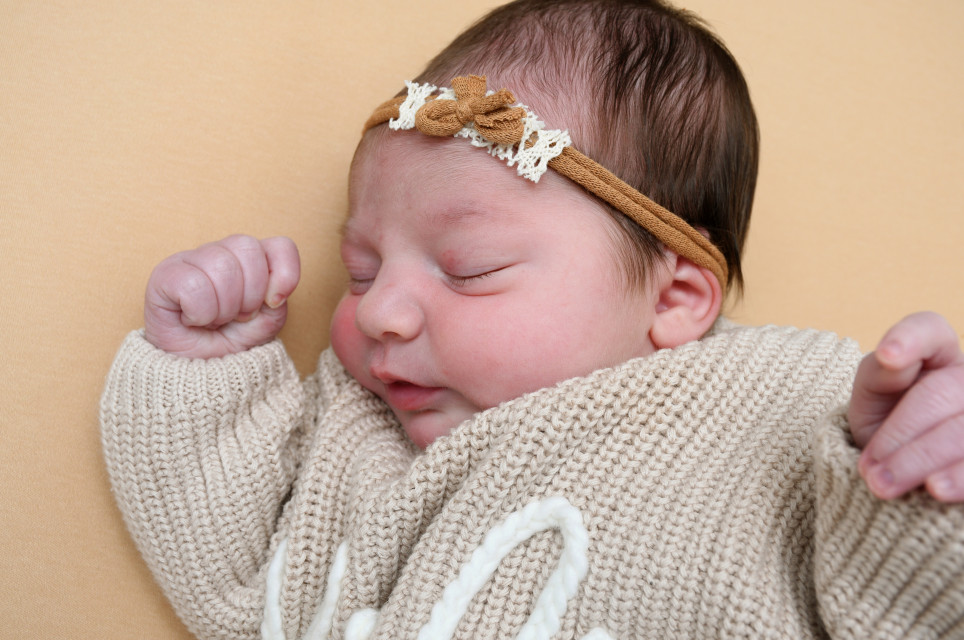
x: 201, y: 456
x: 882, y: 568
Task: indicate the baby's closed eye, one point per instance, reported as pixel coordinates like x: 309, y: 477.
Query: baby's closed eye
x: 468, y: 279
x: 478, y: 281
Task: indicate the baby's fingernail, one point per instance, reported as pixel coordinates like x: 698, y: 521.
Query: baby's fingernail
x: 941, y: 486
x: 880, y: 477
x: 890, y: 349
x: 274, y: 301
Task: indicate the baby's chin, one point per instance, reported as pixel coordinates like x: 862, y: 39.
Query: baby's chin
x: 425, y: 427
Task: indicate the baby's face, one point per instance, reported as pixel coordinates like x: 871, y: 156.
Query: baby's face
x: 471, y: 286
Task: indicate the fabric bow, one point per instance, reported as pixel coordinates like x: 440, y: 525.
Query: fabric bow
x: 493, y: 118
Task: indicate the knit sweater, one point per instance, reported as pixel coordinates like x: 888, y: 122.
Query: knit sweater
x: 705, y: 491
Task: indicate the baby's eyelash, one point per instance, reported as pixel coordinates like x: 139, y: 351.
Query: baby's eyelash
x: 461, y: 281
x: 359, y: 285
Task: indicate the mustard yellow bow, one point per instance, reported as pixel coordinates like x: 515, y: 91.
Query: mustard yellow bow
x: 493, y: 118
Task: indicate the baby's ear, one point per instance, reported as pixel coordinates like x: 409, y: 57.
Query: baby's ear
x: 689, y: 302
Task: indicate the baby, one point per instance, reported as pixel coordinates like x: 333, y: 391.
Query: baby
x: 532, y: 421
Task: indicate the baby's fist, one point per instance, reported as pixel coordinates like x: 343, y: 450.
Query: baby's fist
x: 907, y: 410
x: 221, y: 298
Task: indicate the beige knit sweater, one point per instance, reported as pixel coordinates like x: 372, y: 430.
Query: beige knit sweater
x: 706, y: 491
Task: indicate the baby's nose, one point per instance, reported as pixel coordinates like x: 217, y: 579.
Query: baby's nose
x: 390, y: 309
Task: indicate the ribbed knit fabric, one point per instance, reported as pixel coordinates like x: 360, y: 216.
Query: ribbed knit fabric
x: 705, y: 491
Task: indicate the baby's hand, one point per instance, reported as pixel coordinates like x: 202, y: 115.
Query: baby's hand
x: 907, y: 410
x: 221, y: 298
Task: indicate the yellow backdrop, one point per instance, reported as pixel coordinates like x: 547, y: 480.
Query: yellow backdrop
x: 129, y: 130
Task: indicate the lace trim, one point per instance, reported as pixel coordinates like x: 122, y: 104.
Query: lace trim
x: 530, y: 159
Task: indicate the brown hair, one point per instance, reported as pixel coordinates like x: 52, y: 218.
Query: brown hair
x: 645, y: 89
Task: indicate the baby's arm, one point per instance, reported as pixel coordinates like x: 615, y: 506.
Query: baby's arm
x: 202, y: 453
x: 907, y: 410
x: 221, y: 298
x: 882, y: 568
x: 892, y: 568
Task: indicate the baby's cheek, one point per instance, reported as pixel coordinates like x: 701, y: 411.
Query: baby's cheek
x: 501, y: 369
x: 346, y: 340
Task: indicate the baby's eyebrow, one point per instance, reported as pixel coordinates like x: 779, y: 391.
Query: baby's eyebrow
x: 470, y: 213
x: 460, y: 214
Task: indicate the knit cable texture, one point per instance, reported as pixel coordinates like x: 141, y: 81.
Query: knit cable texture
x: 716, y: 485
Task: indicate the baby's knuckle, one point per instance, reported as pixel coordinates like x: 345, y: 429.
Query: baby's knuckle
x: 238, y: 237
x: 242, y: 242
x: 168, y: 267
x: 281, y: 246
x: 249, y: 252
x: 193, y: 283
x: 221, y: 263
x: 943, y: 390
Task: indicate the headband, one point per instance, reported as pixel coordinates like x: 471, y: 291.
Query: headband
x: 514, y: 134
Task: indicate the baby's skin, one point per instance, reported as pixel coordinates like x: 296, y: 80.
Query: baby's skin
x: 906, y: 410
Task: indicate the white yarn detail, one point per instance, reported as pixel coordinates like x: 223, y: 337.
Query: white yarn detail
x: 519, y: 526
x: 530, y: 161
x: 322, y: 622
x: 361, y: 624
x: 271, y: 626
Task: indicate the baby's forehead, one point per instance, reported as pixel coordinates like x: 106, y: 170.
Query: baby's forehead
x: 447, y: 163
x: 452, y: 181
x: 436, y: 155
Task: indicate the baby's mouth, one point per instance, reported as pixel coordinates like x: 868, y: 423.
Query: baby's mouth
x: 410, y: 398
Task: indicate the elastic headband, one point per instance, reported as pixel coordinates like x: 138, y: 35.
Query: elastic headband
x: 488, y: 120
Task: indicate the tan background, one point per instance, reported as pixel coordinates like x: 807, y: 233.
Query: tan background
x: 129, y: 130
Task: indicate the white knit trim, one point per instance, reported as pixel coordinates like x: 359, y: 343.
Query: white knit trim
x: 322, y: 622
x: 519, y: 526
x: 271, y: 625
x: 361, y: 624
x: 530, y: 161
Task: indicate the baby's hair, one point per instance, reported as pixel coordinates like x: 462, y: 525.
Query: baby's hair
x: 645, y: 89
